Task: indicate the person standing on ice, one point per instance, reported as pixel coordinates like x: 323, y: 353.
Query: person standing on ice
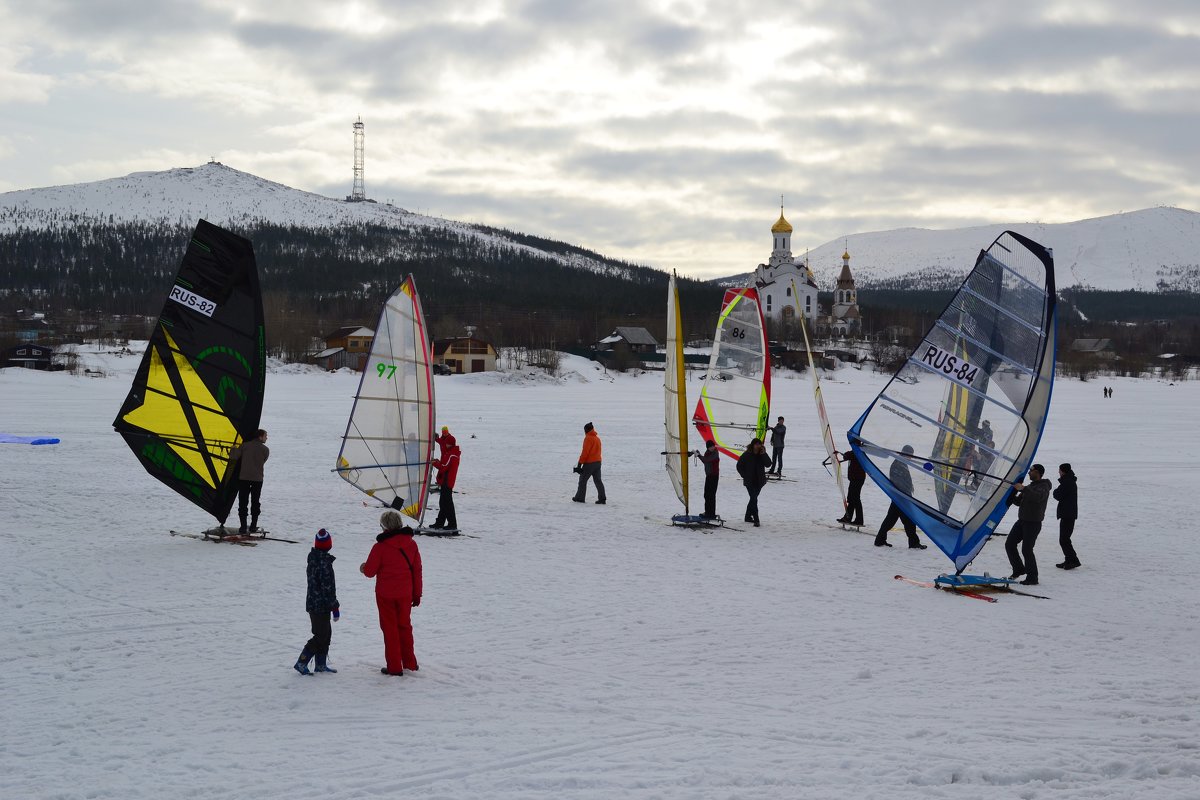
x: 857, y: 476
x: 447, y: 470
x: 321, y: 603
x: 752, y: 465
x: 1067, y: 495
x: 777, y: 433
x: 589, y: 466
x: 251, y: 456
x: 901, y: 478
x: 1031, y: 510
x: 711, y: 459
x: 444, y: 441
x: 395, y: 563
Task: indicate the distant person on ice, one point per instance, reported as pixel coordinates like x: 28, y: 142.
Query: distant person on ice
x: 1067, y: 495
x: 711, y: 459
x: 447, y: 470
x: 1031, y: 510
x: 395, y: 563
x: 777, y: 433
x: 857, y: 476
x: 752, y: 466
x: 321, y: 602
x: 901, y: 478
x: 251, y: 456
x: 589, y: 466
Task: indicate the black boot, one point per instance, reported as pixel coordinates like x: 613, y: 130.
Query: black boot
x: 253, y: 525
x: 323, y: 664
x: 242, y: 529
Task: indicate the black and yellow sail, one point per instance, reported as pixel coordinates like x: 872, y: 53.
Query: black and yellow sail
x: 199, y: 389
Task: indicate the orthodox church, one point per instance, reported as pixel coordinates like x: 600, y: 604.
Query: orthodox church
x: 775, y: 279
x: 787, y: 288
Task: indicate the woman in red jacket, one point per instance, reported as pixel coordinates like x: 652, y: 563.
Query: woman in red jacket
x: 395, y: 563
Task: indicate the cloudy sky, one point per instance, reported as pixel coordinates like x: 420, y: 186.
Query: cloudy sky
x: 659, y: 132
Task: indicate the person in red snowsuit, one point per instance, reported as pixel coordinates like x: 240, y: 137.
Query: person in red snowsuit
x: 447, y: 467
x: 395, y: 563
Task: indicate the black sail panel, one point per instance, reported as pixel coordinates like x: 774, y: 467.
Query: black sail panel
x: 199, y: 389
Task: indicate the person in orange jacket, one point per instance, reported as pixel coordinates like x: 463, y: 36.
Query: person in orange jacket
x: 395, y: 563
x: 589, y: 466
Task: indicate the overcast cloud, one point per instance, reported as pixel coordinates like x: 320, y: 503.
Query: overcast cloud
x: 659, y: 132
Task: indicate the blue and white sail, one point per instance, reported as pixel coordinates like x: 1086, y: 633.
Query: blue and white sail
x: 971, y: 401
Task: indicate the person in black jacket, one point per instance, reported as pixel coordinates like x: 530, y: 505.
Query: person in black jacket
x: 901, y: 478
x: 321, y: 602
x: 1067, y: 495
x: 1031, y: 510
x: 752, y: 466
x: 711, y: 459
x: 857, y: 476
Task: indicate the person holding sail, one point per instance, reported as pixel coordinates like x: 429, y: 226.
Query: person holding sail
x: 711, y: 459
x: 901, y: 478
x: 251, y: 455
x: 857, y: 476
x: 1031, y: 503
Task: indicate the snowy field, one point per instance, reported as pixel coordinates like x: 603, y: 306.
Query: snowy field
x: 583, y: 651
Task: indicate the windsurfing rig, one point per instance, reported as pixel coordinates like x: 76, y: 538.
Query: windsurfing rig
x: 735, y: 400
x: 198, y: 391
x: 960, y: 421
x: 387, y: 450
x: 832, y: 463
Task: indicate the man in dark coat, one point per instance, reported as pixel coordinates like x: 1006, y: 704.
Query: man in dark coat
x: 1031, y: 510
x: 711, y: 459
x: 901, y: 478
x: 251, y: 455
x: 321, y: 602
x: 778, y: 432
x: 1067, y: 495
x: 857, y: 476
x: 752, y: 466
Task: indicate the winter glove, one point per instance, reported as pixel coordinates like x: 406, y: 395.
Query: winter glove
x: 578, y: 469
x: 337, y: 614
x: 416, y: 602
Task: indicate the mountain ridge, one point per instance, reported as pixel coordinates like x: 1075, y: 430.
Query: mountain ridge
x: 1153, y: 249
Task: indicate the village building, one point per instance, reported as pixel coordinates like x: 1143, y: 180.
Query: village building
x: 346, y: 347
x: 465, y: 354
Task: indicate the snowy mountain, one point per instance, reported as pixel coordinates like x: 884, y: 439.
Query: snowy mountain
x: 231, y: 198
x: 1155, y: 249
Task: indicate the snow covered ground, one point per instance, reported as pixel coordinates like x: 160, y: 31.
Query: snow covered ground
x: 589, y: 651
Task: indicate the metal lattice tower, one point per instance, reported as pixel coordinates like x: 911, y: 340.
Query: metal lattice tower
x: 359, y: 191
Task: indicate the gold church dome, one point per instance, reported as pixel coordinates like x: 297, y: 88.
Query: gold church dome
x: 782, y: 226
